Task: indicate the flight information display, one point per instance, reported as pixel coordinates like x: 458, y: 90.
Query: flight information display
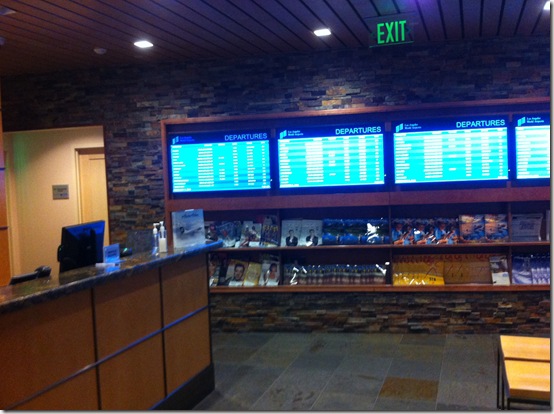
x: 219, y: 161
x: 455, y: 150
x: 532, y: 146
x: 331, y: 156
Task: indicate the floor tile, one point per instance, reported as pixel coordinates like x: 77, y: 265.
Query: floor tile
x: 332, y: 401
x: 369, y: 365
x: 468, y: 370
x: 406, y: 368
x: 354, y: 383
x: 409, y: 389
x: 391, y: 404
x: 423, y: 339
x: 467, y: 394
x: 326, y: 361
x: 419, y: 352
x: 295, y: 389
x: 353, y: 371
x: 275, y: 358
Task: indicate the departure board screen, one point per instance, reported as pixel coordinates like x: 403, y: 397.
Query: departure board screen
x: 219, y: 161
x: 331, y: 156
x: 532, y: 134
x: 455, y: 150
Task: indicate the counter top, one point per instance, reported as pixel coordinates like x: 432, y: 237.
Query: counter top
x: 44, y: 289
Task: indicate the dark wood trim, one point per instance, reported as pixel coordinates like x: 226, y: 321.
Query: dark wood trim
x: 191, y: 393
x: 378, y: 288
x: 504, y: 105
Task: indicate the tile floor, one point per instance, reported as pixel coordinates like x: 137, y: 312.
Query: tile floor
x: 343, y: 372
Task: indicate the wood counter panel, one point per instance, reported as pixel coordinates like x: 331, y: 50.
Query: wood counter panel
x: 184, y: 288
x: 133, y: 380
x: 43, y: 344
x: 127, y: 311
x: 187, y: 349
x: 64, y: 396
x: 5, y: 270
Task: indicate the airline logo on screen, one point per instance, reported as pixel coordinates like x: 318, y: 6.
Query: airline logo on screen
x: 531, y: 120
x: 468, y: 124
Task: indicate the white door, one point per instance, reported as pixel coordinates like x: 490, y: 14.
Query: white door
x: 93, y: 191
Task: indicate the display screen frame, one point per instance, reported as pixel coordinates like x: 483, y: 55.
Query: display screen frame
x: 528, y: 119
x: 307, y: 131
x: 226, y: 138
x: 434, y: 126
x: 81, y: 245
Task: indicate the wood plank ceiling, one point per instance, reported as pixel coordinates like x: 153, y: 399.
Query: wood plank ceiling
x: 52, y: 35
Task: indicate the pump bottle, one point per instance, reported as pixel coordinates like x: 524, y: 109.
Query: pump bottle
x: 155, y: 239
x: 162, y: 240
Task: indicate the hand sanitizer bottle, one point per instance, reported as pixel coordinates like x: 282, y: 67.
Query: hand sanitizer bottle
x: 162, y: 242
x: 155, y: 240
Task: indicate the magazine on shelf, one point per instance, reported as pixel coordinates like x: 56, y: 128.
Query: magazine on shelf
x: 526, y: 227
x: 188, y: 228
x: 499, y: 270
x: 402, y: 232
x: 228, y: 232
x: 271, y: 232
x: 472, y: 228
x: 270, y: 272
x: 290, y: 231
x: 310, y: 233
x: 236, y: 271
x: 216, y: 268
x: 496, y: 228
x: 252, y: 276
x: 250, y: 234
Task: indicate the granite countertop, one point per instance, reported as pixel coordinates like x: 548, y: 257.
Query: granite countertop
x: 57, y: 285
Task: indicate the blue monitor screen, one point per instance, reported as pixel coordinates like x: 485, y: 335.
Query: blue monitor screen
x: 331, y: 156
x: 532, y: 134
x: 219, y: 161
x: 456, y: 150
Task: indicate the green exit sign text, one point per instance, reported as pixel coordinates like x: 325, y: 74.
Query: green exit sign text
x: 386, y: 31
x: 391, y: 32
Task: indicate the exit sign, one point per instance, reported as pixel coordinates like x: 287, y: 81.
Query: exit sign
x: 391, y: 30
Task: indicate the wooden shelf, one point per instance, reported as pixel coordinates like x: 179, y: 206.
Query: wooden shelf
x: 425, y: 247
x: 388, y: 200
x: 377, y: 288
x: 271, y: 201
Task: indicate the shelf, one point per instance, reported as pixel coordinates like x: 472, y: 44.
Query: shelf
x: 469, y: 246
x: 378, y: 288
x: 272, y: 201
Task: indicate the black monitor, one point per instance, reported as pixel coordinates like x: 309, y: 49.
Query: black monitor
x: 82, y: 245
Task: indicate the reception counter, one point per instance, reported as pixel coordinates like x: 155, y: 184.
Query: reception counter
x: 130, y: 337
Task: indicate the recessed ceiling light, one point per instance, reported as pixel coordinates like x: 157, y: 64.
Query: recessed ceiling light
x: 143, y: 44
x: 100, y: 50
x: 322, y: 32
x: 547, y: 5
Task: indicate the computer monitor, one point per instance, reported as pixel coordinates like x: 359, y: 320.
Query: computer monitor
x: 82, y: 245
